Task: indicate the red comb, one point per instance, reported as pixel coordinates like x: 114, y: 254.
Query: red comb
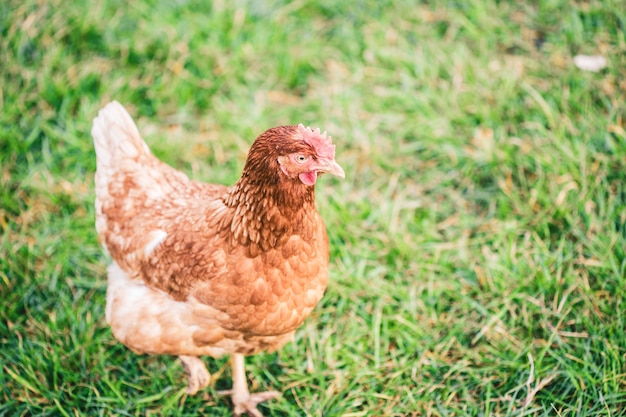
x: 321, y: 142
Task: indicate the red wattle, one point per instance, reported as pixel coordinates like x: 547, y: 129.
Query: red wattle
x: 308, y: 178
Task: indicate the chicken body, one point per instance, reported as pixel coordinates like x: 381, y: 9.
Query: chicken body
x: 203, y: 269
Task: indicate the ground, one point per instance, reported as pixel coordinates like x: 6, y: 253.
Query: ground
x: 477, y: 243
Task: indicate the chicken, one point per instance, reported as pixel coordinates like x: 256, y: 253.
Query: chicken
x: 203, y: 269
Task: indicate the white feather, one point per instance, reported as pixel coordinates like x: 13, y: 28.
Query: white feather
x: 158, y: 236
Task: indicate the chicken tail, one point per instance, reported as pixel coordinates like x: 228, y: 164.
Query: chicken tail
x: 116, y: 136
x: 118, y: 144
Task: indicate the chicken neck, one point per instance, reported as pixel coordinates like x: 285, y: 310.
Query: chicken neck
x: 265, y: 212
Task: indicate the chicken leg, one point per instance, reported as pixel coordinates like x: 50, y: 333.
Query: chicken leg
x: 243, y: 401
x: 197, y: 374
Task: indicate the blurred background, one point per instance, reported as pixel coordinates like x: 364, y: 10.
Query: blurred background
x: 477, y: 244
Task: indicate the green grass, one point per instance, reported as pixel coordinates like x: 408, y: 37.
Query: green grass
x: 478, y: 241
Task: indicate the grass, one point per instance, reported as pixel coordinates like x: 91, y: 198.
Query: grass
x: 478, y: 241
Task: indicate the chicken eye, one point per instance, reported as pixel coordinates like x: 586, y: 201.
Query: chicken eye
x: 301, y: 158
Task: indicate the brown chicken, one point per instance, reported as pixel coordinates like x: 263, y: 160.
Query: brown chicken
x: 204, y: 269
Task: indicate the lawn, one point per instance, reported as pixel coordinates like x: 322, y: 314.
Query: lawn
x: 478, y: 263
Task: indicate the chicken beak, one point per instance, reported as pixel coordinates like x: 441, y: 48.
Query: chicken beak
x: 332, y: 167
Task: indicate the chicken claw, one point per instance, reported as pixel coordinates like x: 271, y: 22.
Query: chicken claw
x: 249, y: 405
x: 243, y: 401
x: 197, y: 374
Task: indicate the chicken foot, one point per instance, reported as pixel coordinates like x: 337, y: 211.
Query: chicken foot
x: 243, y: 401
x: 197, y: 374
